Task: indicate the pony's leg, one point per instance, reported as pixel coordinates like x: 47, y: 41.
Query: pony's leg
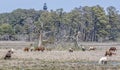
x: 105, y: 62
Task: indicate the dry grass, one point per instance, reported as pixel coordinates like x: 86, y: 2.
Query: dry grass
x: 58, y: 60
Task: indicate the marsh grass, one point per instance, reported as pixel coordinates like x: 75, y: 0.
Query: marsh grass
x: 30, y: 64
x: 57, y: 59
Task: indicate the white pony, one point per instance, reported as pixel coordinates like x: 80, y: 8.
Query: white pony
x: 103, y: 60
x: 70, y: 49
x: 12, y: 50
x: 83, y: 48
x: 32, y: 48
x: 92, y: 48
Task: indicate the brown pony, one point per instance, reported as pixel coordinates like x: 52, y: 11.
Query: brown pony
x: 109, y: 53
x: 40, y: 49
x: 112, y: 49
x: 26, y: 49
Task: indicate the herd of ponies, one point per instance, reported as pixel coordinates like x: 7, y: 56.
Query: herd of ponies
x: 102, y: 60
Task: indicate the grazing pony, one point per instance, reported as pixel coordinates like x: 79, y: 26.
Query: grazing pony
x: 12, y: 50
x: 8, y: 55
x: 32, y: 48
x: 26, y: 49
x: 92, y: 48
x: 83, y: 48
x: 40, y: 49
x: 109, y: 53
x: 112, y: 49
x: 70, y: 49
x: 103, y: 60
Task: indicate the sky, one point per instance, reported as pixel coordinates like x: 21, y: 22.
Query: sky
x: 67, y: 5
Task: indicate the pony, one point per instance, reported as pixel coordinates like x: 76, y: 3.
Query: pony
x: 109, y: 53
x: 8, y: 54
x: 92, y: 48
x: 70, y: 50
x: 12, y: 50
x: 40, y: 49
x: 112, y: 49
x: 103, y: 60
x: 83, y: 48
x: 32, y: 48
x: 26, y: 49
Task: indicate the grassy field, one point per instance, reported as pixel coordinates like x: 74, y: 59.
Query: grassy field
x: 58, y: 60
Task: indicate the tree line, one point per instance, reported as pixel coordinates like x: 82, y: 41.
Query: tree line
x: 88, y: 24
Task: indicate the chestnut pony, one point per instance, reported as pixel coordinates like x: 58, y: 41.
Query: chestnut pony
x: 112, y: 49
